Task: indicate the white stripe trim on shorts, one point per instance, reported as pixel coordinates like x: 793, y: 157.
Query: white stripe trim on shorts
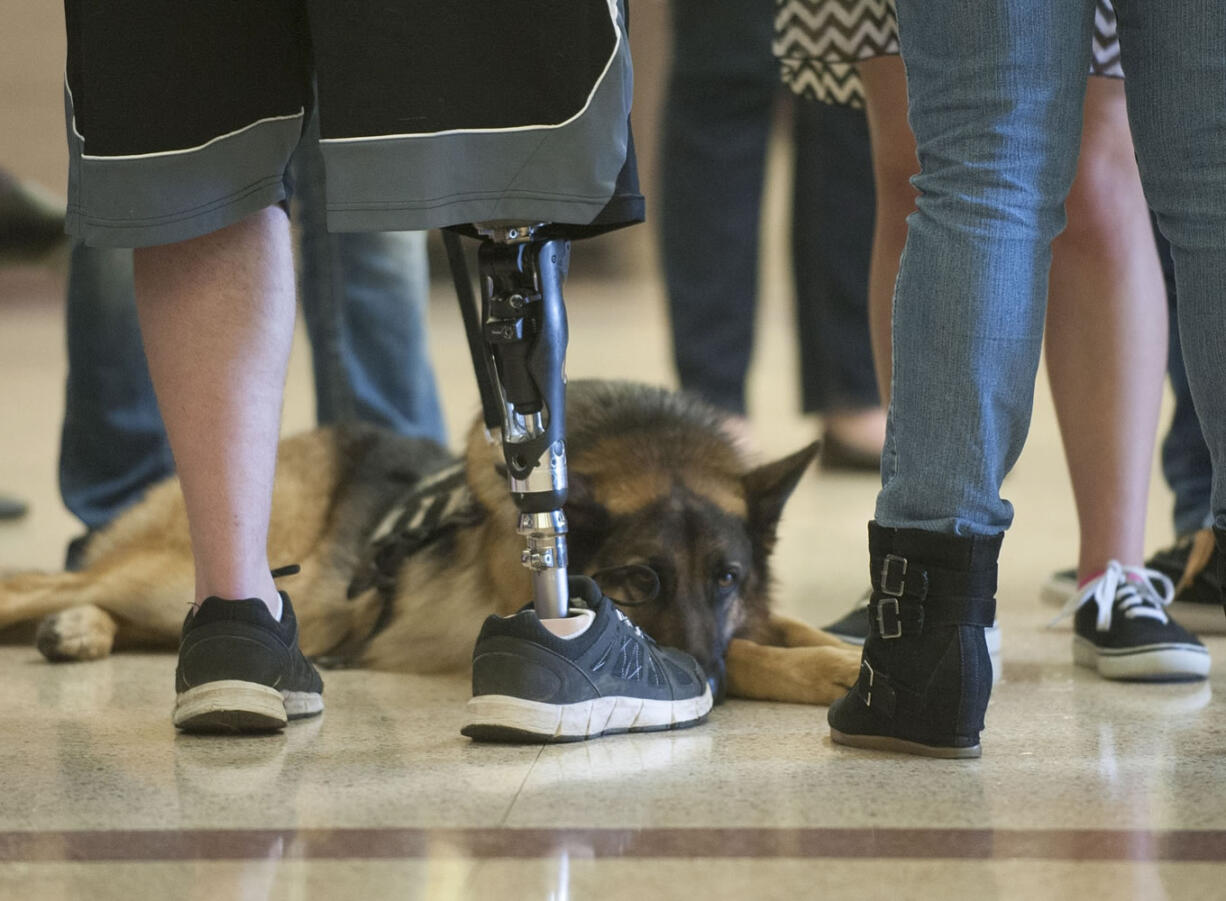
x: 158, y: 153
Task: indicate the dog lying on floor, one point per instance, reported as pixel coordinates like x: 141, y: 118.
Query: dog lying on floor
x: 405, y: 550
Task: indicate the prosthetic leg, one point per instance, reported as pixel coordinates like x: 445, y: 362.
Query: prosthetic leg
x: 530, y: 683
x: 519, y: 352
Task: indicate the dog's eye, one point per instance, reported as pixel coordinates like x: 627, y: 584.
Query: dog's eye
x: 729, y: 577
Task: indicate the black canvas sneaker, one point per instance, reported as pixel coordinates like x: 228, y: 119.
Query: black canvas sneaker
x: 854, y: 627
x: 1122, y: 629
x: 11, y: 508
x: 530, y: 685
x: 240, y: 670
x: 1191, y: 563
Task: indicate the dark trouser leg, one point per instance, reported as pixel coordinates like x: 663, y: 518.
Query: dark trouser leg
x: 113, y: 444
x: 1185, y: 456
x: 832, y: 233
x: 364, y: 299
x: 719, y: 109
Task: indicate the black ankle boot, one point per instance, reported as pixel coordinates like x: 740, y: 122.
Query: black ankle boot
x: 925, y: 676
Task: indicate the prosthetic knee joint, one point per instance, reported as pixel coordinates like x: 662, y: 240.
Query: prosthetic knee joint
x: 520, y: 352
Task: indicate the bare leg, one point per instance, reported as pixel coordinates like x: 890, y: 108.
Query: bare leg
x: 894, y: 162
x: 217, y: 316
x: 1106, y: 337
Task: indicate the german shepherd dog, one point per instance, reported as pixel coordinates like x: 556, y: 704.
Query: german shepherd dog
x: 404, y: 550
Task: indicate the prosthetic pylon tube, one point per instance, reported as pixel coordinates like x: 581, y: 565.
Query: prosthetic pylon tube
x: 523, y: 329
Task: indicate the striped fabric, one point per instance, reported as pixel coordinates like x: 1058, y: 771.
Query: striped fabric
x: 818, y: 43
x: 1106, y: 60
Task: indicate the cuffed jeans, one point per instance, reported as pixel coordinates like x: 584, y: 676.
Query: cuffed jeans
x: 721, y: 104
x: 996, y: 90
x: 364, y: 300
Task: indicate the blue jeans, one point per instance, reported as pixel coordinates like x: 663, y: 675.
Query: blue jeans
x: 721, y: 103
x: 1185, y: 456
x: 996, y: 90
x: 363, y: 297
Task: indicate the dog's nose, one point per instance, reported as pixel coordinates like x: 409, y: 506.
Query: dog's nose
x: 716, y: 677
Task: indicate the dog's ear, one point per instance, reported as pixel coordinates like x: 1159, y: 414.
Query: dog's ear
x: 767, y: 489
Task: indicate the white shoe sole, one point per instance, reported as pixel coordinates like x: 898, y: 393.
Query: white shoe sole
x: 232, y: 705
x: 505, y: 718
x: 1148, y: 663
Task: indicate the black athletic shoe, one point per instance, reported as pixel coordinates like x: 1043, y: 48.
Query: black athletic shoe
x: 529, y: 685
x: 241, y: 671
x: 1122, y: 630
x: 1191, y: 563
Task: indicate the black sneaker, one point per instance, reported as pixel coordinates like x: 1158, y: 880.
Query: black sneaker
x: 11, y: 508
x: 240, y: 670
x: 1122, y: 630
x: 1191, y: 563
x: 529, y: 685
x: 854, y: 627
x: 74, y: 554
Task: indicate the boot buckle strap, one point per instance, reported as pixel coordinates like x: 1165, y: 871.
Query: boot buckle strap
x: 871, y: 681
x: 893, y: 573
x: 866, y: 691
x: 891, y: 619
x: 894, y: 629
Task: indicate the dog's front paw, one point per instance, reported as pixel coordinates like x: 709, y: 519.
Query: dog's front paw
x: 834, y: 671
x: 78, y: 633
x: 805, y: 675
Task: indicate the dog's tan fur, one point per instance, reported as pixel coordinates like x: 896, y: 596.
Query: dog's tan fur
x: 654, y: 457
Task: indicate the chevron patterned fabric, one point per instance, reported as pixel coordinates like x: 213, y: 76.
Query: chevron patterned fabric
x: 1106, y: 59
x: 819, y: 42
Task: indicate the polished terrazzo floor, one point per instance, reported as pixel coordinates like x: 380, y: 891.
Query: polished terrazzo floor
x: 1086, y: 789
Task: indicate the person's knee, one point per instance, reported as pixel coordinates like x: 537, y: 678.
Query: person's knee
x: 1105, y: 196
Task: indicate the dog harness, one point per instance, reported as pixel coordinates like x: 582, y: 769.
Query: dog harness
x: 440, y: 503
x: 436, y: 506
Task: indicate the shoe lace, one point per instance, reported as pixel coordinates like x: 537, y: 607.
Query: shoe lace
x: 625, y: 621
x: 1130, y: 589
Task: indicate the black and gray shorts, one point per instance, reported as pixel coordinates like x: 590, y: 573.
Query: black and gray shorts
x: 182, y: 116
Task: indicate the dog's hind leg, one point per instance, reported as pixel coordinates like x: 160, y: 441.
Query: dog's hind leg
x: 149, y: 589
